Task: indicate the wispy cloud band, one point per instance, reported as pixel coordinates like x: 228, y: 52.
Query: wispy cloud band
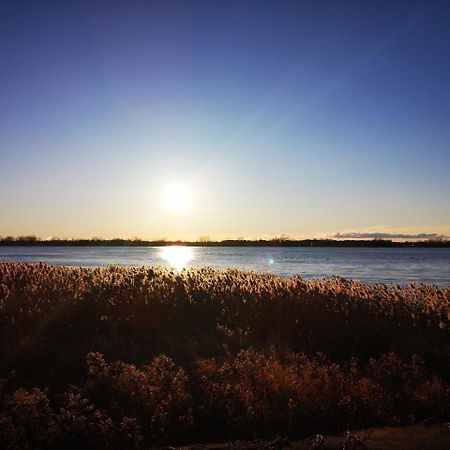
x: 379, y: 235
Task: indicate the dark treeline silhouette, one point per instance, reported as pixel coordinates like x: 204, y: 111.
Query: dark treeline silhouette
x: 276, y: 242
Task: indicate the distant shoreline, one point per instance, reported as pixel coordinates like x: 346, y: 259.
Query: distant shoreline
x: 33, y: 241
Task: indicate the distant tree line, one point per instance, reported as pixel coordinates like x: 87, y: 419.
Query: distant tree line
x: 202, y: 242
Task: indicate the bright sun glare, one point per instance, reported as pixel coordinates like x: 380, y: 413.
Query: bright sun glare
x: 177, y: 256
x: 177, y: 197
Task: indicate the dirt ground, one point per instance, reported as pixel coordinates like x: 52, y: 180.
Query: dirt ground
x: 414, y: 437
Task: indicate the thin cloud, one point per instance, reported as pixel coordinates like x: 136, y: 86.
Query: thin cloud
x: 378, y: 235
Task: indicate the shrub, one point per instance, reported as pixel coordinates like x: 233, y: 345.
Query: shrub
x: 157, y: 394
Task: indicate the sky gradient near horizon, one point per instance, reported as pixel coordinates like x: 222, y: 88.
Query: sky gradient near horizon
x: 298, y: 118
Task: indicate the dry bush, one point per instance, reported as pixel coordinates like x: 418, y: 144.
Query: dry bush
x: 265, y: 392
x: 157, y: 394
x: 28, y: 421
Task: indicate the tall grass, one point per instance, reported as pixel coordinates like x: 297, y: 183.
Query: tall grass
x: 127, y: 357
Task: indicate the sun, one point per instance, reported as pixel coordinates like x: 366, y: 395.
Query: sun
x: 177, y: 197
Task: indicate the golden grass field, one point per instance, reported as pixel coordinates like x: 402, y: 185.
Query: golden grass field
x: 138, y: 357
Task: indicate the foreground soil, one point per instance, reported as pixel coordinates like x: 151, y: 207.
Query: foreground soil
x: 414, y: 437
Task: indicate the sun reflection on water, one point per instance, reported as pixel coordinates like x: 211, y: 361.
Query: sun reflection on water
x: 177, y: 256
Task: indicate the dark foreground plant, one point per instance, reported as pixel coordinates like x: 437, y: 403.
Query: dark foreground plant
x: 129, y: 357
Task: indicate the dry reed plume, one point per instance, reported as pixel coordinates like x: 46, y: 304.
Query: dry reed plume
x: 129, y: 357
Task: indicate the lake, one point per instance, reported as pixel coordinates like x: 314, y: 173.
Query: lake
x: 371, y: 265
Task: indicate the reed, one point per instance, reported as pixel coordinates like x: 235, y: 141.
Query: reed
x: 129, y: 357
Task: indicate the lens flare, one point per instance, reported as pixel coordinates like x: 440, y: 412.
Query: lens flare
x: 177, y: 256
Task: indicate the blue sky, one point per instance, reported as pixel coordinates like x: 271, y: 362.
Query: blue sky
x: 304, y: 118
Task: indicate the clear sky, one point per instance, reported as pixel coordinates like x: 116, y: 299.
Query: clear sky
x: 304, y: 118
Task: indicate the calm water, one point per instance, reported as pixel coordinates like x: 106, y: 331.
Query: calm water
x: 372, y: 265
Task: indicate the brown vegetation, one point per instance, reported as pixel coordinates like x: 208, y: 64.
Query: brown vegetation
x: 129, y: 357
